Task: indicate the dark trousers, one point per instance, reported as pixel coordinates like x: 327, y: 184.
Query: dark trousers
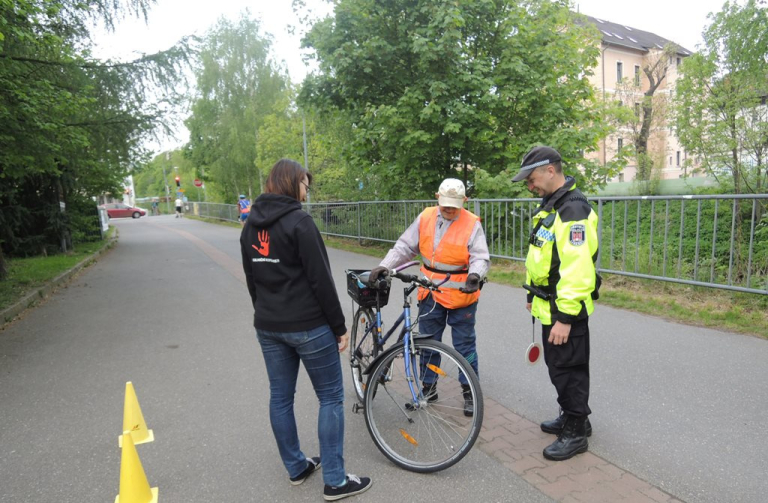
x: 568, y: 366
x: 433, y: 318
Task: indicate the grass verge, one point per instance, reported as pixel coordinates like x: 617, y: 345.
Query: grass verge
x: 26, y: 274
x: 698, y: 306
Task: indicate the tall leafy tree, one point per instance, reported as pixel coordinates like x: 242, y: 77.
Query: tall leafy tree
x: 643, y: 120
x: 721, y: 113
x: 70, y: 125
x: 238, y: 84
x: 438, y: 88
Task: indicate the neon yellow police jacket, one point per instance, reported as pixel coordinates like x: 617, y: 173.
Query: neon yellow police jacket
x: 561, y: 256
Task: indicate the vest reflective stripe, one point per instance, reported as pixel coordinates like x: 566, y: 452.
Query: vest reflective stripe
x: 451, y: 254
x: 452, y: 284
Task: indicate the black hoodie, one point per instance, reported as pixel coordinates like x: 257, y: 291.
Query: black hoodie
x: 287, y: 269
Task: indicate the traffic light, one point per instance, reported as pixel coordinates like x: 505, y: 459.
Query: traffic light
x: 178, y: 181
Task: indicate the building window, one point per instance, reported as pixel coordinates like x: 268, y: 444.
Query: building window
x: 621, y: 177
x: 621, y: 143
x: 678, y: 158
x: 637, y: 109
x: 619, y: 71
x: 679, y: 60
x: 637, y: 75
x: 670, y: 160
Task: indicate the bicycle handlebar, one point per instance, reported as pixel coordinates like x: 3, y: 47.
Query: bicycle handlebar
x: 382, y: 282
x: 426, y: 283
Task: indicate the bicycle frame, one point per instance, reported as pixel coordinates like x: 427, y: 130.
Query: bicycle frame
x: 406, y: 335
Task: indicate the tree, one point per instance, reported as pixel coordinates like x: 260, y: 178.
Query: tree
x: 450, y: 88
x: 645, y: 118
x: 722, y: 116
x: 721, y: 113
x: 238, y: 85
x: 655, y: 69
x: 71, y: 126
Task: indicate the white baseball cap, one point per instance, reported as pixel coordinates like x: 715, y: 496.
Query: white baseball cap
x: 451, y: 193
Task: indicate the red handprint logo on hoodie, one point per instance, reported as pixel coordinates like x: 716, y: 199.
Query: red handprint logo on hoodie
x: 263, y: 247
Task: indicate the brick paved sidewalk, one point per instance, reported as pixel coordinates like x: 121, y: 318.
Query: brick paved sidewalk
x: 517, y: 443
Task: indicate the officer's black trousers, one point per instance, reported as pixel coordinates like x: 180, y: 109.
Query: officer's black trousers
x: 568, y: 366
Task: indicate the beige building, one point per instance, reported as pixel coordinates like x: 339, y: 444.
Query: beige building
x: 620, y: 77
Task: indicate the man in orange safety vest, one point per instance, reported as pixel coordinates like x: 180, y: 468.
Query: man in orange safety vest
x: 451, y: 240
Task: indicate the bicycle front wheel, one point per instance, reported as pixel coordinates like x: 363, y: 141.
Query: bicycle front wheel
x: 362, y: 348
x: 431, y: 433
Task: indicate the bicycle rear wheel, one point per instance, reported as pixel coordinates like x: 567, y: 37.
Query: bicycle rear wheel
x: 432, y: 434
x: 362, y: 348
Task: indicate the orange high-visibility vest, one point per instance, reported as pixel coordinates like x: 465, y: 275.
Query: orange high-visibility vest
x: 450, y: 256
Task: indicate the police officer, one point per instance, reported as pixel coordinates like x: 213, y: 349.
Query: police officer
x: 451, y: 240
x: 561, y: 284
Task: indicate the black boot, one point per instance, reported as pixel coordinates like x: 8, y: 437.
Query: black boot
x: 469, y: 400
x: 572, y: 441
x: 556, y: 425
x: 429, y: 391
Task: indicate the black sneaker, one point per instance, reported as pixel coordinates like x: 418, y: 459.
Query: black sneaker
x: 313, y: 464
x: 354, y: 485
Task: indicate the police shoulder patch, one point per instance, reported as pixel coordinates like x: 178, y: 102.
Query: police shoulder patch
x: 578, y: 234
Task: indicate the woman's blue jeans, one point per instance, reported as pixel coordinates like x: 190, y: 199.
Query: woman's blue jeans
x: 319, y: 351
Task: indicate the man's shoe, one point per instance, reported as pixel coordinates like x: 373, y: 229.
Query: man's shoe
x: 572, y: 441
x: 430, y: 393
x: 354, y: 485
x: 313, y: 464
x: 469, y: 401
x: 555, y: 426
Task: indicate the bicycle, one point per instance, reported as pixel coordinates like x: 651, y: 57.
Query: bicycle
x: 416, y: 431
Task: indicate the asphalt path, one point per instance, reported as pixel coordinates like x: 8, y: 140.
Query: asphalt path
x: 168, y: 310
x: 681, y: 407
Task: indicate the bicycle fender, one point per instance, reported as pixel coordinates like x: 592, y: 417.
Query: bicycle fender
x: 381, y: 355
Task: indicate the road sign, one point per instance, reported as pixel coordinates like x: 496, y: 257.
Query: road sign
x: 198, y: 183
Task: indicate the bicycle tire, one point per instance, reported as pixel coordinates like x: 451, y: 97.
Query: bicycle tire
x: 436, y: 434
x: 360, y: 358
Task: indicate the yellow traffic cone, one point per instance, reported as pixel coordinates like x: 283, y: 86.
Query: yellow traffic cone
x: 134, y: 487
x: 133, y: 420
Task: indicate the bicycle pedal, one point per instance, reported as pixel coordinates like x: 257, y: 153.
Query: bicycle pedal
x: 356, y: 408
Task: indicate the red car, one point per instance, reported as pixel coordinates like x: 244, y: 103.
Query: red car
x: 119, y: 210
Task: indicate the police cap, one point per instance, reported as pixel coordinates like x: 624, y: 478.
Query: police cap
x: 538, y: 156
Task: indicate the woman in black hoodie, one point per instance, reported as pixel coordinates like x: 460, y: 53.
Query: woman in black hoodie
x: 298, y: 318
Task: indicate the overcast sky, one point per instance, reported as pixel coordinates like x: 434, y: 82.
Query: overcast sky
x: 681, y: 21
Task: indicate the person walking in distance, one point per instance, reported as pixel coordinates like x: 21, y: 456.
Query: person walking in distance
x: 451, y: 241
x: 179, y: 203
x: 562, y: 284
x: 244, y: 205
x: 298, y: 319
